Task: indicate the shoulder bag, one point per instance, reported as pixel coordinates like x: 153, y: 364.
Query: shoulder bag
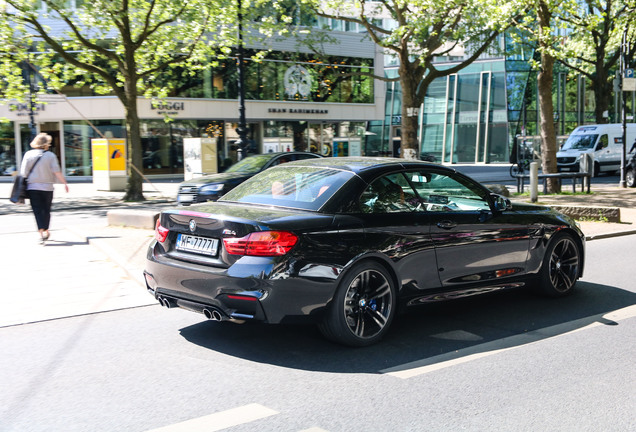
x: 19, y: 190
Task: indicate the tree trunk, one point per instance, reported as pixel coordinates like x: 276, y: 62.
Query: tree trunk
x: 134, y: 188
x: 547, y: 130
x: 602, y: 95
x: 409, y: 81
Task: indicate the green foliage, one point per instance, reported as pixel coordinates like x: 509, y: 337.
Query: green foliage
x: 111, y: 44
x: 122, y: 47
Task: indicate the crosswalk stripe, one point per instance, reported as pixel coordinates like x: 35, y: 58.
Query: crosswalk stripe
x: 221, y: 420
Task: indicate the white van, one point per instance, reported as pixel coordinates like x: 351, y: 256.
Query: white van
x: 603, y: 142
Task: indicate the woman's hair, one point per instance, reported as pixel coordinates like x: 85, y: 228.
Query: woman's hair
x: 41, y: 141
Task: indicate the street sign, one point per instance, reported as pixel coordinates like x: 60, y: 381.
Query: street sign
x: 629, y: 73
x: 629, y: 84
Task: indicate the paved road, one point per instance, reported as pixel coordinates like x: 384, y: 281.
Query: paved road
x: 510, y: 361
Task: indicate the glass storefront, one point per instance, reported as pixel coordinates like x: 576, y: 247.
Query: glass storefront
x: 465, y: 118
x: 7, y: 149
x: 474, y: 116
x: 277, y: 78
x: 162, y: 143
x: 315, y: 137
x: 77, y: 142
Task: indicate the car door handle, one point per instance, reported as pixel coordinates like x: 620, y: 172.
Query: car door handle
x: 446, y: 224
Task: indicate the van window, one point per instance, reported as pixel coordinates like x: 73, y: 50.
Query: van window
x: 602, y: 142
x: 580, y: 142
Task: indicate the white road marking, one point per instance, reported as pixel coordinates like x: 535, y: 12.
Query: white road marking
x: 421, y: 367
x: 221, y: 420
x: 314, y: 429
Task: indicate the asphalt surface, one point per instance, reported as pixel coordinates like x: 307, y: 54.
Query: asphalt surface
x: 89, y: 266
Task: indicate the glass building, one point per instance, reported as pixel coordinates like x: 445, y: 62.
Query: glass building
x: 477, y: 115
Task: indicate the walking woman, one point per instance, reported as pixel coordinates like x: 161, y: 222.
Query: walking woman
x: 43, y: 169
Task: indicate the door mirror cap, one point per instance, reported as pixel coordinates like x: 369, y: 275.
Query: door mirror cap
x: 501, y: 203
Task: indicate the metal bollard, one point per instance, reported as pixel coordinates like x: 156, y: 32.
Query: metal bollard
x: 586, y: 166
x: 534, y: 181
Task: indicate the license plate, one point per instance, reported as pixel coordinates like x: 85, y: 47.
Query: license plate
x: 200, y: 245
x: 185, y: 198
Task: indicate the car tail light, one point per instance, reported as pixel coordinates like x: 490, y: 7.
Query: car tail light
x: 241, y: 297
x: 261, y: 243
x: 161, y: 233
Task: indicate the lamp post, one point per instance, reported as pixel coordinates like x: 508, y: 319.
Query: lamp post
x: 32, y: 126
x: 241, y: 143
x: 622, y: 182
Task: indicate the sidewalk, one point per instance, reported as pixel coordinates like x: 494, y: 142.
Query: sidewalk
x: 83, y: 269
x: 91, y: 268
x: 602, y: 196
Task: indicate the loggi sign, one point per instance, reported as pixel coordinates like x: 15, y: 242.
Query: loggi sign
x: 22, y: 109
x: 170, y: 108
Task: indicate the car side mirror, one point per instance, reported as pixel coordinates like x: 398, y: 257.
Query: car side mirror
x: 501, y: 203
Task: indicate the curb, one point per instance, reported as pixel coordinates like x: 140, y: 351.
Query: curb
x: 145, y: 219
x: 611, y: 214
x: 609, y: 235
x: 113, y: 254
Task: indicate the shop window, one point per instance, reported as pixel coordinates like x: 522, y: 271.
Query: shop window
x: 77, y: 142
x: 7, y: 150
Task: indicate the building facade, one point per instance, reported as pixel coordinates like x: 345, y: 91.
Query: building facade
x: 295, y: 100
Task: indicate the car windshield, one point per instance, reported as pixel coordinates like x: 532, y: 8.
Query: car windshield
x: 580, y: 142
x: 290, y: 186
x: 250, y: 165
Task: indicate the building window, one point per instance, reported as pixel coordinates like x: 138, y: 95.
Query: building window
x: 77, y: 142
x: 7, y: 149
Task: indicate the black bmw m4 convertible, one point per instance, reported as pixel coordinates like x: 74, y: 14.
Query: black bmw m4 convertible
x: 346, y: 243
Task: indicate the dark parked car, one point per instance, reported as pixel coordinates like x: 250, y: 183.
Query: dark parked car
x: 347, y: 242
x: 212, y: 187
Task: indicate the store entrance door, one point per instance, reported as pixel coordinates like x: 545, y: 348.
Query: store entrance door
x: 25, y: 137
x: 53, y: 129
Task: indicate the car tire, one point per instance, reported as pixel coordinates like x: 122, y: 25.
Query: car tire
x: 630, y: 178
x: 363, y: 306
x: 597, y: 169
x: 561, y: 266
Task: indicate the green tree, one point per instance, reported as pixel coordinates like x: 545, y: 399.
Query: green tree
x: 419, y: 32
x: 593, y: 46
x: 118, y: 47
x: 543, y: 24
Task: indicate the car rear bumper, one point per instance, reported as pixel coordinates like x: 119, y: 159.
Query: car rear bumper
x: 253, y: 288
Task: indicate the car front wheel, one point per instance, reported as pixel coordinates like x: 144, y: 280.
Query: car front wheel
x: 362, y: 308
x: 561, y: 266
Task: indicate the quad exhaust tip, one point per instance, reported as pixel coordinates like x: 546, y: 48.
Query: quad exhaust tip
x: 212, y: 314
x: 165, y: 302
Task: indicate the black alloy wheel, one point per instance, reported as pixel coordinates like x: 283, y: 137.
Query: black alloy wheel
x: 363, y: 306
x: 561, y: 266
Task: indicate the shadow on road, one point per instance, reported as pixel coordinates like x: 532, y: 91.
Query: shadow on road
x: 56, y: 243
x: 424, y: 333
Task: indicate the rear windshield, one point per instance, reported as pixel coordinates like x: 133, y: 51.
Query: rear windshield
x: 290, y: 186
x: 580, y: 142
x: 250, y: 165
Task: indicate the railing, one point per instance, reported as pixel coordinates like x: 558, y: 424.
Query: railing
x: 586, y: 180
